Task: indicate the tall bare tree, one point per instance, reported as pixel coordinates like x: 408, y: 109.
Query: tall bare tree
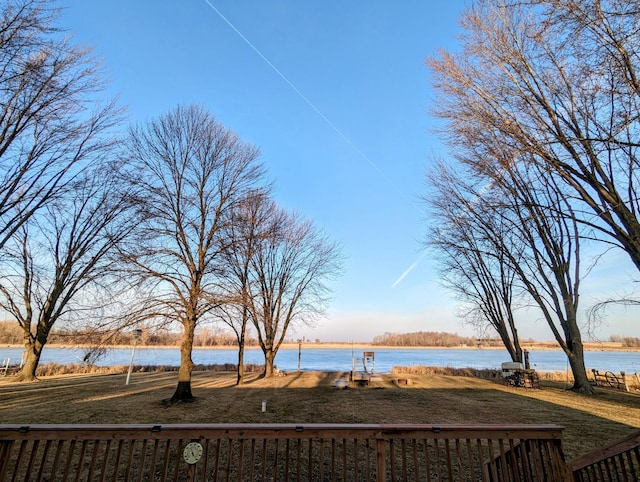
x: 476, y: 269
x: 61, y: 252
x: 556, y: 81
x: 552, y: 84
x: 290, y: 269
x: 50, y: 120
x: 523, y: 220
x: 190, y: 172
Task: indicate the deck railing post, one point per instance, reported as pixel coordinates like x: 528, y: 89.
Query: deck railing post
x: 381, y: 469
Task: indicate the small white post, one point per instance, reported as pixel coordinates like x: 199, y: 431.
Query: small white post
x: 264, y: 406
x: 136, y: 335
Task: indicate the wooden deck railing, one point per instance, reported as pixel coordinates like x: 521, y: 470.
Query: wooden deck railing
x: 283, y: 452
x: 617, y: 461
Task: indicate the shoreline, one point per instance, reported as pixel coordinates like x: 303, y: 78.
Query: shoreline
x: 540, y: 346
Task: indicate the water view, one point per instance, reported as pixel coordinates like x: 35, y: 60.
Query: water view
x: 340, y: 359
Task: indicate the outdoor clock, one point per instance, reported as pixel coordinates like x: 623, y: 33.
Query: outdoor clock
x: 192, y: 452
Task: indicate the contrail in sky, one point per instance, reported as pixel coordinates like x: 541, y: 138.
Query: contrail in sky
x: 303, y: 97
x: 409, y: 269
x: 322, y: 116
x: 477, y: 198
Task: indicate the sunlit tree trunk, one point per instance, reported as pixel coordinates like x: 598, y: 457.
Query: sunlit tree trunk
x: 269, y: 362
x: 33, y: 351
x: 183, y: 390
x: 574, y: 350
x: 240, y: 372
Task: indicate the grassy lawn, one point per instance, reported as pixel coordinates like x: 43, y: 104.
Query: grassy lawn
x: 311, y: 397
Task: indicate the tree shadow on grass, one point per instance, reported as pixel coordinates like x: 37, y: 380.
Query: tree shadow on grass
x: 589, y: 421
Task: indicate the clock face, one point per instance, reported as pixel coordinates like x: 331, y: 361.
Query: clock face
x: 192, y: 452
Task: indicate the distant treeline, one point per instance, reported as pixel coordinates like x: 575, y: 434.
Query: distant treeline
x: 430, y: 338
x: 628, y: 341
x: 11, y: 334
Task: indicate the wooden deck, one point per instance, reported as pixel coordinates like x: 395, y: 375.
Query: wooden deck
x: 617, y: 461
x: 360, y: 376
x: 238, y: 452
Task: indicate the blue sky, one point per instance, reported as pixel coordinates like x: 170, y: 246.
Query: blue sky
x: 336, y: 96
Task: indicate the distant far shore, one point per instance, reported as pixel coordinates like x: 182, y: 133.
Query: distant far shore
x: 542, y: 345
x: 588, y: 346
x: 546, y: 345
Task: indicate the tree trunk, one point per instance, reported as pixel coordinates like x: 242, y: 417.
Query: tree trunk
x: 28, y: 371
x: 33, y: 351
x: 269, y: 358
x: 513, y: 347
x: 240, y: 336
x: 240, y: 377
x: 574, y: 350
x: 183, y: 390
x: 581, y: 382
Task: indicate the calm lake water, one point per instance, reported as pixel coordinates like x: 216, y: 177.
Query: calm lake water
x: 339, y: 359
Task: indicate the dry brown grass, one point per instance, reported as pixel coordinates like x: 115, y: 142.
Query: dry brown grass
x: 312, y: 397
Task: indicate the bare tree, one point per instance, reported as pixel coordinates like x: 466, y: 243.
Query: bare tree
x: 50, y: 122
x: 551, y: 268
x: 524, y: 221
x: 250, y: 224
x: 552, y: 84
x: 190, y: 172
x: 556, y: 81
x: 474, y: 268
x: 61, y: 252
x: 289, y: 268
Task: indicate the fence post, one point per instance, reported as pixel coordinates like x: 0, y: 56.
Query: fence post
x: 625, y: 385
